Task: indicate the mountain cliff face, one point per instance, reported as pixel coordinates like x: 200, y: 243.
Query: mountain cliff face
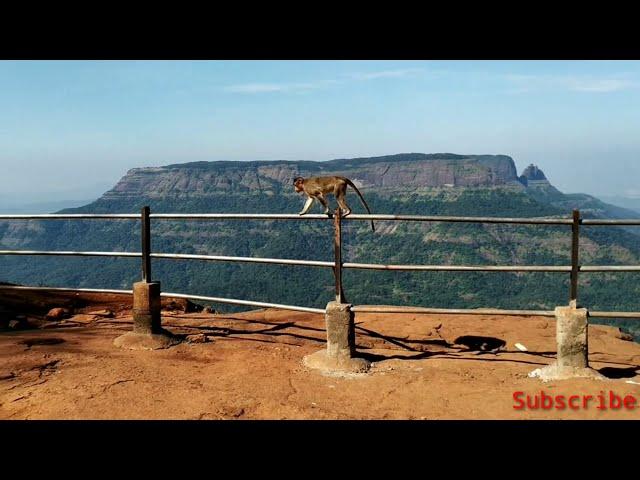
x: 207, y: 186
x: 532, y: 173
x: 403, y: 171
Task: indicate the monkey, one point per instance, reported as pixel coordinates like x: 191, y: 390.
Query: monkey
x: 317, y: 187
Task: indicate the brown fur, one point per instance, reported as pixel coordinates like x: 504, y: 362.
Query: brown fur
x: 315, y: 188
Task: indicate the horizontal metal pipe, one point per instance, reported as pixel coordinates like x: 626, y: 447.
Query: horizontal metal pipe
x: 222, y: 258
x: 456, y: 268
x: 610, y: 268
x: 269, y: 216
x: 414, y: 218
x: 458, y: 311
x: 371, y: 266
x: 173, y: 295
x: 615, y: 314
x: 359, y: 308
x: 75, y: 254
x: 423, y: 218
x: 318, y: 263
x: 58, y: 289
x: 237, y: 216
x: 418, y: 218
x: 71, y: 216
x: 233, y: 301
x: 598, y: 221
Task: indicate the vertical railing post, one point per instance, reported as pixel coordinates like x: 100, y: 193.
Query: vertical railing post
x: 572, y: 327
x: 575, y: 250
x: 340, y: 354
x: 337, y: 268
x: 146, y: 244
x: 147, y: 333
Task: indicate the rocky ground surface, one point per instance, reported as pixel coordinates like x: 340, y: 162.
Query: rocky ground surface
x: 249, y: 365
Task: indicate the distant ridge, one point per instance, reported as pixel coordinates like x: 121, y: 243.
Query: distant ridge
x: 400, y: 171
x: 398, y: 157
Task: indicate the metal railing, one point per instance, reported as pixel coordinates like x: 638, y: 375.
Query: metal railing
x: 338, y: 265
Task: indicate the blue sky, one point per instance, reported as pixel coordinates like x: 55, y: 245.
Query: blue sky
x: 71, y: 129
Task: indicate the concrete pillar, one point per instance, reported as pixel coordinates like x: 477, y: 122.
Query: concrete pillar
x: 146, y: 307
x: 341, y: 334
x: 572, y: 359
x: 340, y: 354
x: 147, y: 333
x: 572, y: 336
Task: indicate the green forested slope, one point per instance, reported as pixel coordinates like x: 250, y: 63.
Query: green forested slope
x: 404, y: 242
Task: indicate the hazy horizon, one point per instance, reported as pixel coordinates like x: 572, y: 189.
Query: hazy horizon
x: 70, y: 130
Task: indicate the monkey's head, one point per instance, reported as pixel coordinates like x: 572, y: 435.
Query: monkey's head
x: 297, y: 184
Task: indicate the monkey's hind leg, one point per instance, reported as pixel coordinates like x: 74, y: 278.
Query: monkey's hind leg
x: 343, y: 205
x: 325, y: 204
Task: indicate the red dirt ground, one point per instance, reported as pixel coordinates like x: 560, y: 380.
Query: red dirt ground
x: 251, y: 367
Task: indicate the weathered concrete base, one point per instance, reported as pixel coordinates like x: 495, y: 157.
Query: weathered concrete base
x: 557, y: 372
x: 146, y: 307
x: 146, y: 341
x: 339, y: 356
x: 321, y: 361
x: 147, y: 332
x: 572, y: 359
x: 572, y: 336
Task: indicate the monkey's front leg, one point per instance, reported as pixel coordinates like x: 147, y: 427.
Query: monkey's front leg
x: 324, y: 203
x: 307, y: 206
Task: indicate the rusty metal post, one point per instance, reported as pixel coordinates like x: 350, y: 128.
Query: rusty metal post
x: 575, y: 249
x: 146, y: 244
x: 337, y: 268
x: 147, y: 333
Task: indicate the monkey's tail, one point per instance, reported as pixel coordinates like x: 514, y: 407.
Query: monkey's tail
x: 350, y: 183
